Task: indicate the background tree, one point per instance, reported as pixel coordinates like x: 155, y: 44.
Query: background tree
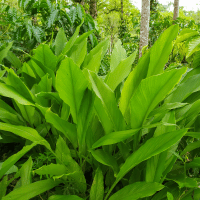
x: 176, y: 9
x: 144, y: 27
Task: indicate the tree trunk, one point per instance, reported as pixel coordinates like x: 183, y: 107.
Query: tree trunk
x: 93, y: 8
x: 176, y: 9
x: 144, y: 27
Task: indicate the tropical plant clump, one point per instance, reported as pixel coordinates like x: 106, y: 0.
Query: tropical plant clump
x: 130, y: 134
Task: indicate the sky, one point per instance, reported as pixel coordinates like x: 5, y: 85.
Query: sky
x: 187, y: 4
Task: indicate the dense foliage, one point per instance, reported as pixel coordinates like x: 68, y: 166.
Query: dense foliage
x: 86, y: 120
x: 34, y: 22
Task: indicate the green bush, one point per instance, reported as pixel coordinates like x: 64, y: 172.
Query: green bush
x: 131, y: 134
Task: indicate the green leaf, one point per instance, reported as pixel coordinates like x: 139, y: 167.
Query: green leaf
x: 14, y: 158
x: 13, y: 169
x: 159, y: 53
x: 60, y: 41
x: 136, y: 191
x: 119, y: 136
x: 80, y: 11
x: 184, y: 89
x: 29, y: 26
x: 100, y: 49
x: 71, y: 84
x: 79, y: 49
x: 72, y: 14
x: 95, y: 62
x: 52, y: 170
x: 14, y: 81
x: 193, y: 46
x: 120, y: 72
x: 166, y: 107
x: 68, y: 129
x: 78, y: 52
x: 84, y: 118
x: 15, y: 61
x: 191, y: 147
x: 194, y: 163
x: 52, y: 18
x: 27, y: 112
x: 3, y: 187
x: 155, y: 88
x: 132, y: 82
x: 118, y: 54
x: 183, y: 181
x: 189, y: 117
x: 29, y: 191
x: 97, y: 189
x: 38, y: 33
x: 4, y: 52
x: 26, y: 172
x: 75, y: 173
x: 72, y: 40
x: 107, y: 98
x: 114, y: 137
x: 156, y: 164
x: 44, y: 55
x: 25, y: 132
x: 106, y: 159
x: 8, y: 91
x: 103, y: 116
x: 2, y: 73
x: 151, y: 148
x: 64, y: 197
x: 170, y: 196
x: 185, y: 34
x: 51, y: 96
x: 196, y: 60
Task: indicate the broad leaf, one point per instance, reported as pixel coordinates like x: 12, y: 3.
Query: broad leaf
x: 150, y: 92
x: 106, y: 159
x: 68, y: 129
x: 29, y: 191
x: 25, y: 132
x: 107, y: 98
x: 185, y: 89
x: 26, y: 172
x: 118, y: 54
x: 159, y: 53
x: 14, y: 81
x: 120, y: 72
x: 52, y: 170
x: 136, y: 191
x: 15, y: 61
x: 193, y: 46
x: 98, y: 51
x: 44, y: 54
x: 71, y: 84
x: 185, y: 34
x: 60, y: 41
x: 97, y: 188
x: 72, y: 40
x: 132, y: 82
x: 84, y: 118
x: 4, y: 52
